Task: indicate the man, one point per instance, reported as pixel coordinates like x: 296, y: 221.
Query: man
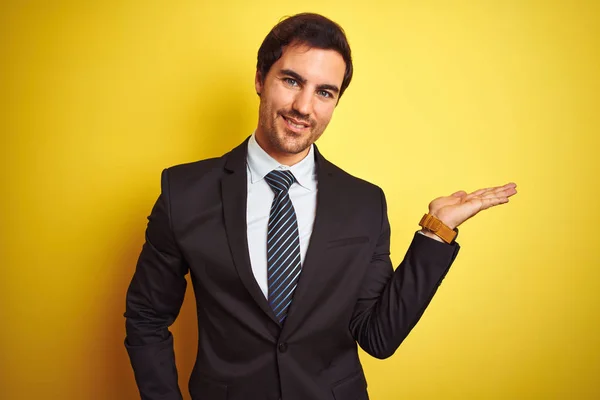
x: 288, y: 254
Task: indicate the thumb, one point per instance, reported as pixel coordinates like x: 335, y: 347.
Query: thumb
x: 460, y: 193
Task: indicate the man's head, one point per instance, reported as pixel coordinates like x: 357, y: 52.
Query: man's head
x: 304, y: 66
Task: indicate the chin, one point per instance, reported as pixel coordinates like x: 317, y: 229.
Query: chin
x: 292, y: 143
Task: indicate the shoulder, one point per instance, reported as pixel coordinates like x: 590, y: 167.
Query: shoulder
x: 205, y: 171
x: 352, y: 188
x: 177, y: 177
x: 349, y: 181
x: 195, y: 168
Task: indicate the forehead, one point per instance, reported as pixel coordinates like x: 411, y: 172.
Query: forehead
x: 317, y: 66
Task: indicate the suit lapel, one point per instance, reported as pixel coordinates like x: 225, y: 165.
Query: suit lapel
x: 234, y: 197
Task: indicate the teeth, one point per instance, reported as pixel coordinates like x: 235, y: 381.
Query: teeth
x: 295, y: 125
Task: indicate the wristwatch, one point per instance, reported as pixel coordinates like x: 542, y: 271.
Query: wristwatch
x: 436, y: 226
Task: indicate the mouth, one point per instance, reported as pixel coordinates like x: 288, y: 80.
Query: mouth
x: 295, y: 125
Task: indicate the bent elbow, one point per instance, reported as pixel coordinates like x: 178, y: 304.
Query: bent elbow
x: 380, y: 352
x: 142, y: 328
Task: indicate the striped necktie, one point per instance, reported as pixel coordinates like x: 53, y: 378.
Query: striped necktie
x: 283, y: 244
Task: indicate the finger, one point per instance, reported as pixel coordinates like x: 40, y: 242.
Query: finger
x: 460, y: 193
x: 508, y: 186
x: 478, y: 193
x: 507, y: 192
x: 501, y: 192
x: 493, y: 201
x: 498, y: 189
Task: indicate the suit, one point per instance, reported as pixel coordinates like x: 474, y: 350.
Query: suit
x: 348, y: 291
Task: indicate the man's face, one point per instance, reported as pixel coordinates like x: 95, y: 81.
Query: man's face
x: 297, y: 99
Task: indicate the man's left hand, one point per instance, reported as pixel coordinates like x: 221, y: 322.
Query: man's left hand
x: 455, y: 209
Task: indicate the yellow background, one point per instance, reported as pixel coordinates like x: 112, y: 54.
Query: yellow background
x: 98, y: 97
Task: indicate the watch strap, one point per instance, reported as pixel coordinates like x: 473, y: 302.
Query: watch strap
x: 436, y: 226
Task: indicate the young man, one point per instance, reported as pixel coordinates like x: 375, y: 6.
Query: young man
x: 288, y: 254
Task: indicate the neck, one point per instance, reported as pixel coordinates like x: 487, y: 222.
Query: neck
x: 290, y: 159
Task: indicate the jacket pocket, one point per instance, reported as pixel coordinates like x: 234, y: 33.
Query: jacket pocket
x: 206, y: 389
x: 353, y: 387
x: 347, y: 241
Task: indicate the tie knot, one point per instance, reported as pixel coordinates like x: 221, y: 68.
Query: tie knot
x: 280, y: 181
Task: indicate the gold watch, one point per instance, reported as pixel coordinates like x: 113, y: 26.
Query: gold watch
x: 436, y: 226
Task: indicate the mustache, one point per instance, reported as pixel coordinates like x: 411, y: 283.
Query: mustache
x: 297, y: 116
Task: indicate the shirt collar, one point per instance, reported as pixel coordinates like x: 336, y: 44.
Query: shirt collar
x: 260, y: 163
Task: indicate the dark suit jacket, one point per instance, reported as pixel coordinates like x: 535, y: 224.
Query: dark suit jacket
x: 348, y: 292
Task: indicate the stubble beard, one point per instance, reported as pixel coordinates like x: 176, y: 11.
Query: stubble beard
x: 288, y: 142
x: 285, y: 141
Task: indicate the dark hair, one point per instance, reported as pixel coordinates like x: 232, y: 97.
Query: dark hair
x: 309, y: 29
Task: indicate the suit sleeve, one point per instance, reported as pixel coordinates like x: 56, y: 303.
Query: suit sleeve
x: 153, y: 302
x: 390, y: 303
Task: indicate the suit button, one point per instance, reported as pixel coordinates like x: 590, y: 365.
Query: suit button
x: 282, y: 347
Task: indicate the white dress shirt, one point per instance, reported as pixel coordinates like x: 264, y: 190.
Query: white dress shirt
x: 303, y: 194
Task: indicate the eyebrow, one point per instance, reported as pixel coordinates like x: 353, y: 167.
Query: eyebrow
x: 302, y: 80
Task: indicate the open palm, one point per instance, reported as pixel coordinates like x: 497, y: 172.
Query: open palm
x: 455, y: 209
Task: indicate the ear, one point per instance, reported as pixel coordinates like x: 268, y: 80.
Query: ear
x: 258, y: 83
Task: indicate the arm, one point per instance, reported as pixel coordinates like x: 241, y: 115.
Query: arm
x: 391, y: 302
x: 153, y: 301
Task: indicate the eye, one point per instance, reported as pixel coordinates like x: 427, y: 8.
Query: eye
x: 290, y: 81
x: 324, y: 93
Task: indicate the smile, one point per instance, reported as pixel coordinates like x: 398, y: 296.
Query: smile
x: 296, y: 126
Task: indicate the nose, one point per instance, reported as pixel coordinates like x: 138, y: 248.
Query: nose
x: 303, y: 102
